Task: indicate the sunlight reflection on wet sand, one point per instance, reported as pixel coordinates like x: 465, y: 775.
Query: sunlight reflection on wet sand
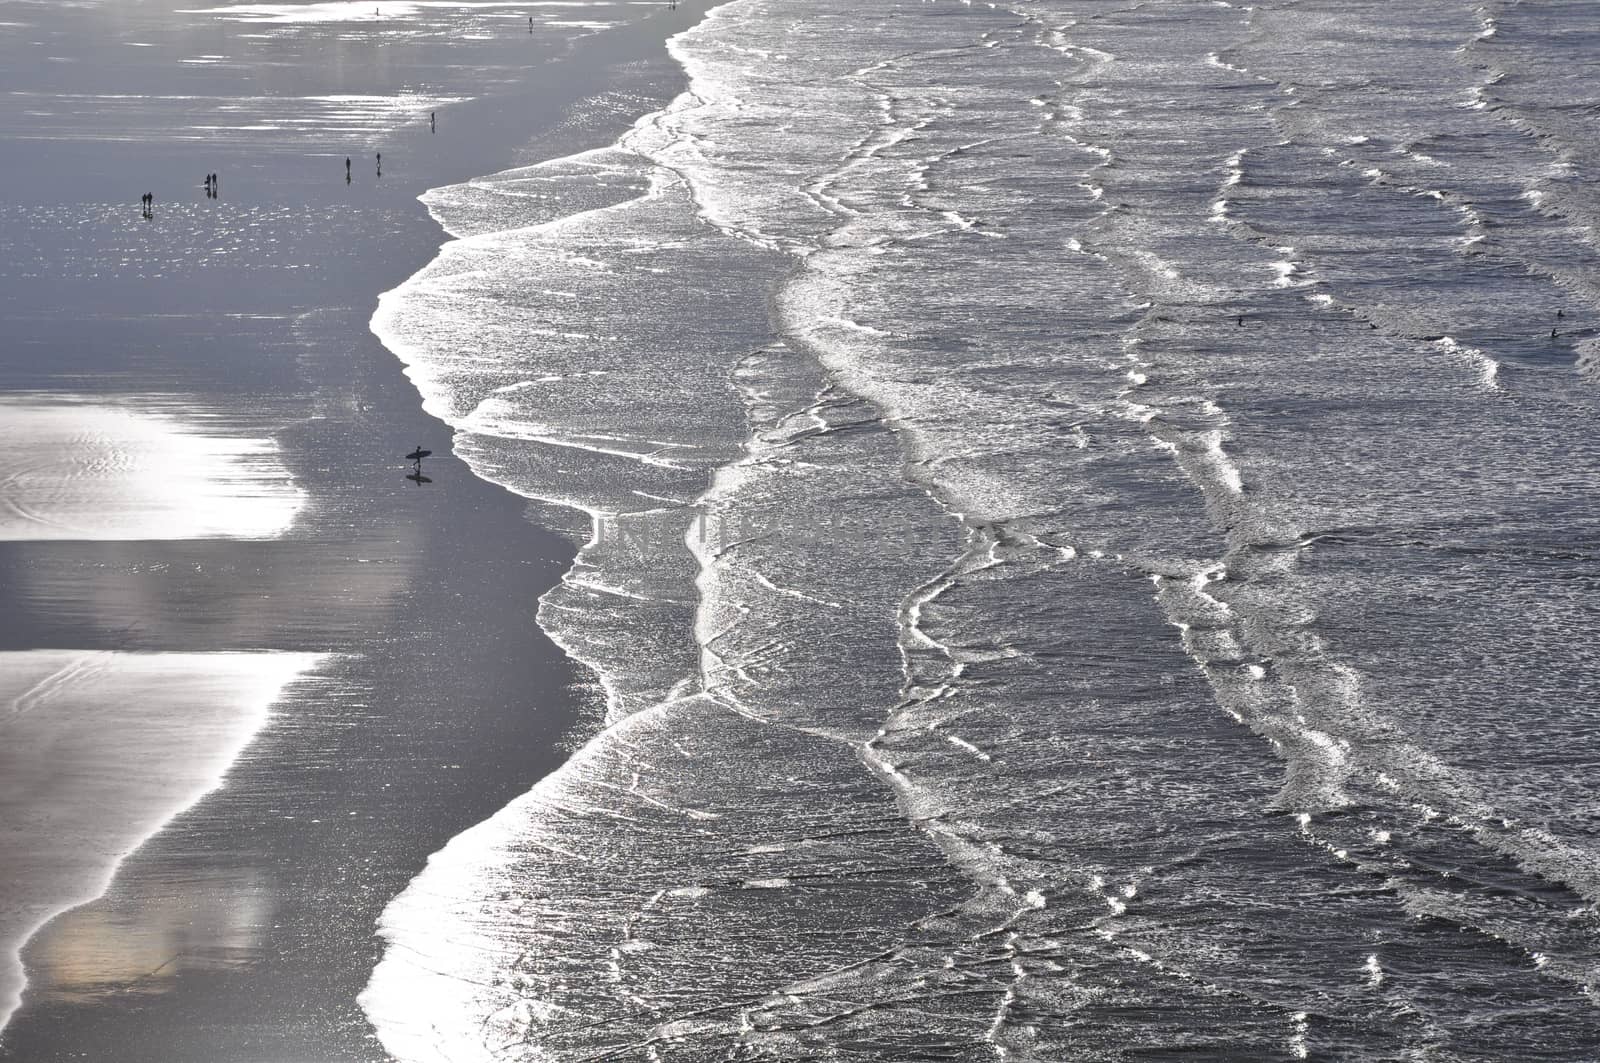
x: 212, y: 921
x: 365, y: 10
x: 94, y: 471
x: 97, y: 751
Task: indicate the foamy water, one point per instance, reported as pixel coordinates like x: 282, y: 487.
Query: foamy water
x: 1090, y: 544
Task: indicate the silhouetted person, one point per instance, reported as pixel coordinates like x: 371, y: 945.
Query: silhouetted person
x: 347, y: 169
x: 1240, y: 322
x: 431, y: 126
x: 530, y: 23
x: 380, y: 164
x: 1552, y: 333
x: 1560, y: 314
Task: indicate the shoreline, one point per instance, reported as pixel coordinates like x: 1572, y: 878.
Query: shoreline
x: 273, y: 881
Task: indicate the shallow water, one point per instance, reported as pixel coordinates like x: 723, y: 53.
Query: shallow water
x: 1090, y: 554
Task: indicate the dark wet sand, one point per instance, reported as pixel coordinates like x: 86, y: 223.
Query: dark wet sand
x: 244, y: 931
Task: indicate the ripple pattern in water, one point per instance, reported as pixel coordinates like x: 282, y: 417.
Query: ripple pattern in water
x: 1090, y: 558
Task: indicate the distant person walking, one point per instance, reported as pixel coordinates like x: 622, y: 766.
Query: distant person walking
x: 432, y: 128
x: 347, y: 169
x: 380, y: 164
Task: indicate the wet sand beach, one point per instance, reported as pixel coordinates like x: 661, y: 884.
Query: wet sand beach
x: 220, y: 463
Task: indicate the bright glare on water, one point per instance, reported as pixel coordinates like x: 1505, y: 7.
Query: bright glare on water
x: 1088, y: 552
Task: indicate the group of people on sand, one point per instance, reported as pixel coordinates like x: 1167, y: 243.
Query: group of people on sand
x: 380, y: 163
x: 147, y: 202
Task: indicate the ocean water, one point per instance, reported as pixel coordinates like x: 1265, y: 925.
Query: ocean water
x: 1091, y: 547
